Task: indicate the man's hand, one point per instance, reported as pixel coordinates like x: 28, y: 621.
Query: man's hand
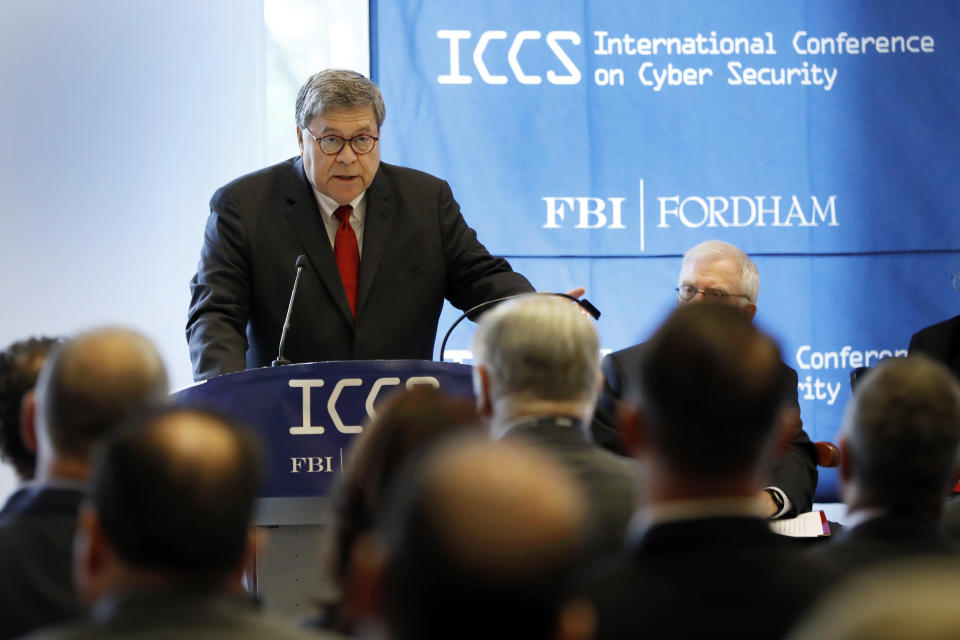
x: 576, y: 293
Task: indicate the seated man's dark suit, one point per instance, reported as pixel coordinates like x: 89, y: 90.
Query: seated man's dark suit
x: 794, y: 472
x: 416, y: 250
x: 883, y: 538
x: 940, y: 342
x: 718, y: 577
x: 37, y: 526
x: 608, y: 480
x: 179, y: 614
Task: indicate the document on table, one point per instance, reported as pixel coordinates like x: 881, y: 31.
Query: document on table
x: 812, y: 524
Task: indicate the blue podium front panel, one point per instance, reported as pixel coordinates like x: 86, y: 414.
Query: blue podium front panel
x: 307, y: 415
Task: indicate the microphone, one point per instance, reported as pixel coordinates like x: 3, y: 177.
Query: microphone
x: 281, y: 361
x: 584, y: 304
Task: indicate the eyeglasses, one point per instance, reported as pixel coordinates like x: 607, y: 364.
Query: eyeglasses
x: 332, y: 144
x: 687, y: 293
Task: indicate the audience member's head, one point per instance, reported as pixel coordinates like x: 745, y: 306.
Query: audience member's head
x: 900, y: 438
x: 536, y: 354
x: 19, y: 367
x: 406, y: 425
x: 914, y: 599
x: 709, y: 396
x: 171, y: 501
x: 720, y: 272
x: 481, y: 542
x: 86, y: 388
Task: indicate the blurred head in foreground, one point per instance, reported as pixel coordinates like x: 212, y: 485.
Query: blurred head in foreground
x: 900, y: 437
x: 86, y: 388
x: 709, y: 403
x: 170, y: 504
x: 481, y: 541
x: 914, y: 599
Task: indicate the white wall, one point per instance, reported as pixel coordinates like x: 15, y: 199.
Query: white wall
x: 118, y: 121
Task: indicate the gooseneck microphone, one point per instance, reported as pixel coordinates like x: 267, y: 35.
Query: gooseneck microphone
x: 281, y: 361
x: 584, y: 304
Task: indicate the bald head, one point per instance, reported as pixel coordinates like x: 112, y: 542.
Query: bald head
x: 175, y: 491
x: 488, y: 533
x: 92, y: 383
x: 503, y: 509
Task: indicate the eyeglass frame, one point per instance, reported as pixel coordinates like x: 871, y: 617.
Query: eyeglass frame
x: 710, y: 294
x: 343, y: 143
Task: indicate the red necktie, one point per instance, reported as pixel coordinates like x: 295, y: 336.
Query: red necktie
x: 347, y: 254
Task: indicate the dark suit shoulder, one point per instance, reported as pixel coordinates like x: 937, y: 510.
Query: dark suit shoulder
x: 398, y: 175
x: 734, y: 576
x: 252, y: 188
x: 937, y: 340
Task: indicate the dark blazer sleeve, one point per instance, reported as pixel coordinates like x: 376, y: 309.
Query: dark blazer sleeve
x: 795, y: 471
x: 220, y: 293
x: 473, y: 274
x: 603, y: 427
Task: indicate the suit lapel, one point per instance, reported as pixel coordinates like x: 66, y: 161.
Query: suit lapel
x: 376, y: 231
x: 305, y: 217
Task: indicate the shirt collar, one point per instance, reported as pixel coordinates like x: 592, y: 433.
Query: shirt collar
x: 328, y: 205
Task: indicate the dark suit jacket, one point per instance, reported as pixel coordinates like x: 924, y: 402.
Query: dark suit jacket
x: 152, y: 615
x: 37, y: 526
x: 608, y: 480
x: 723, y: 577
x: 941, y: 342
x: 417, y: 250
x: 795, y: 472
x: 884, y: 538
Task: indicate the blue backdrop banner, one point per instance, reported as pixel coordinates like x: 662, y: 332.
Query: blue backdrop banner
x: 593, y: 143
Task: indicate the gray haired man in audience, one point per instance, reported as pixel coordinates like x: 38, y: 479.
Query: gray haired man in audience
x: 85, y: 388
x: 536, y: 377
x: 898, y: 459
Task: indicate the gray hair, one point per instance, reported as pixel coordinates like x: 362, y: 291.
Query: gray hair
x: 337, y: 89
x: 902, y: 429
x: 712, y: 250
x: 539, y: 347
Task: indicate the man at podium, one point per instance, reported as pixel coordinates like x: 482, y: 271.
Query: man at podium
x: 383, y: 246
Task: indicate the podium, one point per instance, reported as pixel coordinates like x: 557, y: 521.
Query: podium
x: 306, y: 416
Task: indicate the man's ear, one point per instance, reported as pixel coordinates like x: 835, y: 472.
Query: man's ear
x: 300, y: 139
x: 750, y: 309
x: 28, y: 421
x: 633, y: 430
x: 481, y: 388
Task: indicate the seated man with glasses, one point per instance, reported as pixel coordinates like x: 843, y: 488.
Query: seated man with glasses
x: 384, y: 246
x: 720, y: 272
